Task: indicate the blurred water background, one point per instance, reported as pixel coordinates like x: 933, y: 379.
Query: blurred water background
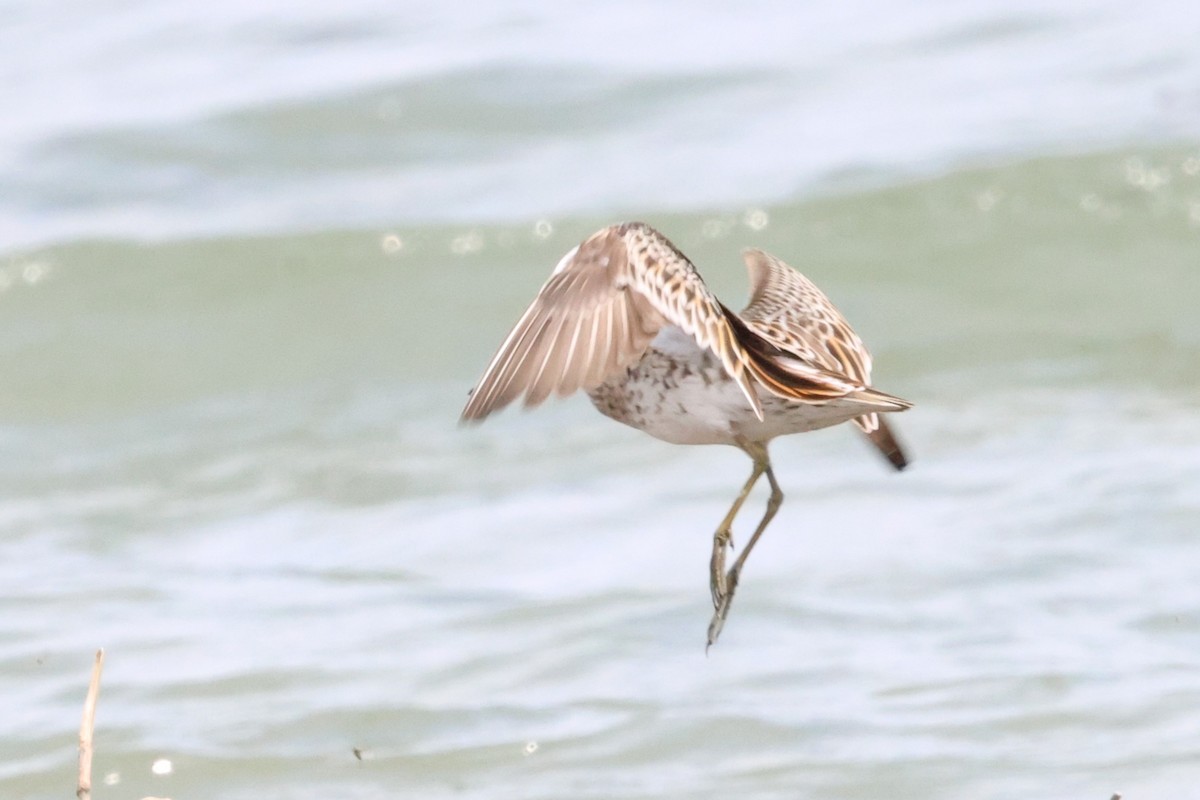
x: 252, y: 256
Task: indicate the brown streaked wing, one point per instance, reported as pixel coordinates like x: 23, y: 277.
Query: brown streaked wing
x: 596, y: 315
x: 789, y: 374
x: 791, y: 312
x: 668, y: 279
x: 564, y: 340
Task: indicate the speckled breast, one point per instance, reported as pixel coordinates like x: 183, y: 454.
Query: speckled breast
x: 681, y: 394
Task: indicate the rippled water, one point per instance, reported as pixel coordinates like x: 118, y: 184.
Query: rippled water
x: 251, y: 259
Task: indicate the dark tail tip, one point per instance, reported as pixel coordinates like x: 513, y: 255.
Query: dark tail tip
x: 883, y: 439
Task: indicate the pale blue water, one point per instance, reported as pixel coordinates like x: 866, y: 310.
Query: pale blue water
x: 253, y: 256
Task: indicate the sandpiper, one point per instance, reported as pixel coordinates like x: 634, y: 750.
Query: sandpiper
x: 626, y: 317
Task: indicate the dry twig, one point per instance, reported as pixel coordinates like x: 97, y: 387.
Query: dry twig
x: 84, y: 792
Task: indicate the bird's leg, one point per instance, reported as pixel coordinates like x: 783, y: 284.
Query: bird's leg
x: 728, y: 583
x: 723, y: 538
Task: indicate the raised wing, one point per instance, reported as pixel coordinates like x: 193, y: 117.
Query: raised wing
x: 812, y: 337
x: 597, y: 314
x: 791, y: 312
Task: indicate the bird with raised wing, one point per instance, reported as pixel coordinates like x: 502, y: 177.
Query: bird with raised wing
x: 626, y: 317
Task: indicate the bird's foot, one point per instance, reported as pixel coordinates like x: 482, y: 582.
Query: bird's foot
x: 722, y: 604
x: 722, y: 542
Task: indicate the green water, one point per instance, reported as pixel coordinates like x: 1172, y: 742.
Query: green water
x: 239, y: 471
x: 242, y: 300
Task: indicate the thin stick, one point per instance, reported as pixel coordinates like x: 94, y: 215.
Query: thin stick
x: 84, y: 792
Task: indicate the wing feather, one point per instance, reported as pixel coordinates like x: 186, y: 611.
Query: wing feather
x: 788, y: 310
x: 596, y: 315
x: 547, y: 375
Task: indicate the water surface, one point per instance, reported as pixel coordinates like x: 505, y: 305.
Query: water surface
x: 253, y: 264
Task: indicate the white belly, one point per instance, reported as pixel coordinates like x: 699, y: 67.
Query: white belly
x: 681, y: 394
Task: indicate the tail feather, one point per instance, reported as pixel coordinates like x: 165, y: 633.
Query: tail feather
x: 881, y: 436
x: 883, y: 400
